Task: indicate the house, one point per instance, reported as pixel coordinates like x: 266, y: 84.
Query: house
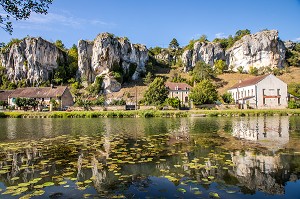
x: 180, y: 91
x: 263, y: 92
x: 43, y: 95
x: 4, y: 95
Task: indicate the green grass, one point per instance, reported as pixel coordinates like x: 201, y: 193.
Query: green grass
x: 147, y: 113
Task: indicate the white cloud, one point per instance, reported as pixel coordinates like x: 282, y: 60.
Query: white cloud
x: 297, y: 39
x: 37, y: 21
x: 220, y: 35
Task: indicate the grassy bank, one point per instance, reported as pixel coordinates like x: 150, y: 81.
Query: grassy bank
x: 148, y: 113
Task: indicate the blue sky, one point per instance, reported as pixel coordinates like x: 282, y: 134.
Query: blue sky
x: 156, y: 22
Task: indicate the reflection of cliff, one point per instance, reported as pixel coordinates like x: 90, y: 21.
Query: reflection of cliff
x: 270, y: 132
x: 258, y: 172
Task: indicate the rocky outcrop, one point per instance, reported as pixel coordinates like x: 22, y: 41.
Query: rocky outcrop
x: 33, y: 59
x: 208, y: 52
x: 263, y: 49
x: 107, y: 54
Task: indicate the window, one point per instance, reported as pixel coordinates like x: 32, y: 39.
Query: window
x: 278, y: 92
x: 264, y: 92
x: 248, y: 93
x: 278, y: 100
x: 252, y: 92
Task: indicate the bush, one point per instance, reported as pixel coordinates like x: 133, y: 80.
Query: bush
x: 120, y: 102
x: 227, y: 98
x: 293, y: 105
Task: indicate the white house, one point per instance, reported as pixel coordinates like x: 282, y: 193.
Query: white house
x: 263, y: 92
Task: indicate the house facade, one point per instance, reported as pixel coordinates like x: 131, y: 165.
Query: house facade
x: 61, y: 94
x: 180, y: 91
x: 263, y: 92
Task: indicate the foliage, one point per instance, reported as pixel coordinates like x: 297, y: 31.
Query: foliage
x: 253, y: 70
x: 148, y: 78
x: 155, y: 51
x: 96, y: 87
x: 175, y: 77
x: 220, y: 66
x: 190, y: 46
x: 293, y: 56
x: 13, y: 41
x: 156, y: 93
x: 240, y: 69
x: 19, y: 10
x: 294, y: 89
x: 59, y: 44
x: 203, y: 38
x: 293, y: 104
x: 202, y: 71
x: 174, y: 44
x: 120, y: 102
x: 174, y: 102
x: 72, y: 61
x: 100, y: 101
x: 230, y: 40
x: 54, y: 103
x: 227, y: 98
x: 3, y: 103
x: 118, y: 76
x: 204, y: 93
x: 22, y: 102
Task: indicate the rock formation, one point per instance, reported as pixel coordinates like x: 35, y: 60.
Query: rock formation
x: 263, y: 49
x: 202, y: 51
x: 108, y: 54
x: 33, y: 59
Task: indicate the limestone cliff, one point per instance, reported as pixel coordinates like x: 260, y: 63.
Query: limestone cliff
x: 258, y: 50
x: 208, y: 52
x: 33, y: 59
x: 107, y: 54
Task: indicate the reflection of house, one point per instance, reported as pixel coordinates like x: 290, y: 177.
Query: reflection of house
x: 256, y: 172
x: 180, y: 91
x: 260, y: 92
x: 43, y: 95
x: 270, y: 132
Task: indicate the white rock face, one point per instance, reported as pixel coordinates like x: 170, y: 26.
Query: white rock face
x: 108, y: 53
x: 33, y: 59
x: 258, y: 50
x: 207, y: 52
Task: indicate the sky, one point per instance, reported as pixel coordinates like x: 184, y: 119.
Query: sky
x: 156, y: 22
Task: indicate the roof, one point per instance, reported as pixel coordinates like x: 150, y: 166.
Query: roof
x: 249, y: 82
x: 4, y: 94
x: 177, y: 86
x: 39, y: 92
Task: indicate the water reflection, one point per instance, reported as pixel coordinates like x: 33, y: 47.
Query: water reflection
x: 137, y: 157
x: 270, y: 132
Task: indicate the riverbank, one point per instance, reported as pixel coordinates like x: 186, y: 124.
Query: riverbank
x: 147, y: 113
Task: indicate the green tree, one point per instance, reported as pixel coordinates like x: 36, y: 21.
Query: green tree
x: 204, y: 93
x: 240, y: 33
x: 148, y: 78
x: 19, y: 10
x: 72, y: 61
x: 203, y: 38
x: 156, y: 93
x: 294, y: 89
x: 253, y: 70
x: 174, y: 44
x: 59, y: 44
x: 240, y: 69
x: 227, y: 98
x: 220, y: 66
x: 202, y: 71
x: 174, y: 102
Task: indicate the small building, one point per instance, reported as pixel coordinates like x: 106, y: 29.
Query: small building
x: 263, y: 92
x: 180, y: 91
x: 43, y: 95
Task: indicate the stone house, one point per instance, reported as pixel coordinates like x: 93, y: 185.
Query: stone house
x: 263, y: 92
x: 180, y: 91
x: 43, y: 95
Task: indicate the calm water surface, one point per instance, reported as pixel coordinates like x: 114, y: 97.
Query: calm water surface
x: 219, y: 157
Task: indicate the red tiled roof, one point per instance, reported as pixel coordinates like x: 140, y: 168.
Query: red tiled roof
x: 4, y: 94
x: 249, y: 82
x: 39, y: 92
x: 180, y: 86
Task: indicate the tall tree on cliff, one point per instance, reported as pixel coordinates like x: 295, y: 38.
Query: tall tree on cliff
x: 20, y: 9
